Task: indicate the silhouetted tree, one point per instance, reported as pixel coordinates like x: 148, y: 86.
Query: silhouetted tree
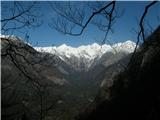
x: 19, y: 16
x: 73, y: 18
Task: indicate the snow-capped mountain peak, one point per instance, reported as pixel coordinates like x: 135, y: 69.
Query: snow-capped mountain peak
x: 87, y: 55
x: 127, y: 46
x: 90, y: 51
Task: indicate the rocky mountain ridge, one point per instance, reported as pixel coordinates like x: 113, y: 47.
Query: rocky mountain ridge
x: 84, y: 58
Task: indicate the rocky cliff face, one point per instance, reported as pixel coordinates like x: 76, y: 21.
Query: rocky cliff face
x: 135, y: 91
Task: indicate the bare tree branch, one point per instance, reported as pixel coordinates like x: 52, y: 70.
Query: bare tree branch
x: 73, y: 19
x: 19, y: 16
x: 142, y: 30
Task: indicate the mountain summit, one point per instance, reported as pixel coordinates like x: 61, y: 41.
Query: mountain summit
x: 85, y: 57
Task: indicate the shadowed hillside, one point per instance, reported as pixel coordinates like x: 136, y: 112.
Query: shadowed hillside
x: 28, y: 81
x: 135, y: 92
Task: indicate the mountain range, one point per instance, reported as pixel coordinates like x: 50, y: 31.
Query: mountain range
x: 84, y: 58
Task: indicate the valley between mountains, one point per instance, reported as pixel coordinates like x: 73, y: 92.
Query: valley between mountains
x: 67, y: 79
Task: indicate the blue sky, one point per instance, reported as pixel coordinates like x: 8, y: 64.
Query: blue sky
x: 123, y: 28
